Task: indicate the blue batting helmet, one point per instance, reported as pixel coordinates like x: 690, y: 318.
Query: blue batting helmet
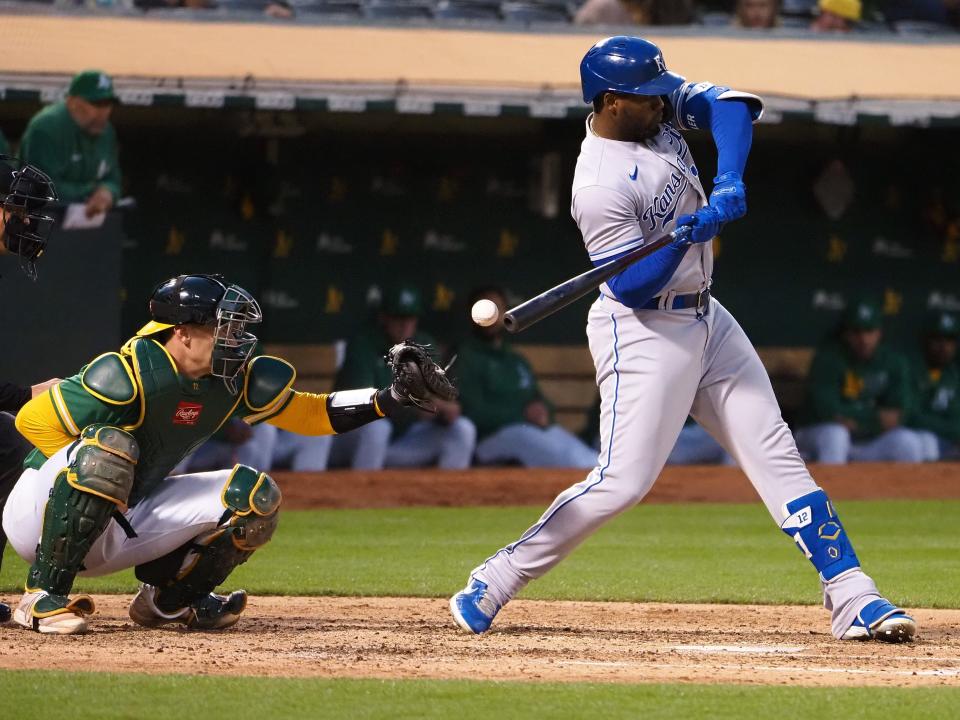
x: 625, y: 64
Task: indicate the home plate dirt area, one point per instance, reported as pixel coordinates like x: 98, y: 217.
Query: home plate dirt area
x: 531, y: 640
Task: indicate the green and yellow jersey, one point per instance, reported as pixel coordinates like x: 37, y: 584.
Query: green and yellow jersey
x: 141, y: 391
x: 935, y: 399
x: 496, y: 384
x: 842, y: 387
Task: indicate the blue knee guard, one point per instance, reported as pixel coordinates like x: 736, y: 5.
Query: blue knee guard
x: 815, y: 527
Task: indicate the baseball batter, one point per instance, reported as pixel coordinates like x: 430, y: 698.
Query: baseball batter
x: 97, y: 497
x: 663, y: 347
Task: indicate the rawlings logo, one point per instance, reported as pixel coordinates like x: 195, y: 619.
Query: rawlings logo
x: 187, y: 413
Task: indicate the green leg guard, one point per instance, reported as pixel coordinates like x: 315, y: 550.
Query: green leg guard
x: 186, y: 576
x: 84, y: 496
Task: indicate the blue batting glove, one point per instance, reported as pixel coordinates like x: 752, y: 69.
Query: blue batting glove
x: 704, y: 224
x: 729, y: 196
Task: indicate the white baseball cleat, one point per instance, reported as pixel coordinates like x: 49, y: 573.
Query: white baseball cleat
x: 53, y: 614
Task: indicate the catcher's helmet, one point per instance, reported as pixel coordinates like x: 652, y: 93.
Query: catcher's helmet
x: 208, y: 300
x: 24, y: 191
x: 624, y: 64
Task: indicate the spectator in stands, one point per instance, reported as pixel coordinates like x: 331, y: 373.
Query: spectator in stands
x: 635, y: 12
x: 500, y: 394
x: 757, y: 13
x: 935, y: 382
x: 857, y: 396
x: 75, y: 144
x: 410, y: 439
x: 837, y: 15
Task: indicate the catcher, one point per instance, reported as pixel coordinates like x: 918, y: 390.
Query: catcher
x: 96, y: 495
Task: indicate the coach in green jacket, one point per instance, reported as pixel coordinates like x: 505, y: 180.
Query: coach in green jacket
x: 75, y: 144
x: 500, y: 394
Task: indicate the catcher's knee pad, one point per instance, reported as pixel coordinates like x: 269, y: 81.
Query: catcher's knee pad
x: 814, y: 526
x: 83, y: 497
x: 252, y: 501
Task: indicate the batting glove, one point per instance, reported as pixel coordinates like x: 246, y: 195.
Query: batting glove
x: 729, y: 196
x: 704, y: 224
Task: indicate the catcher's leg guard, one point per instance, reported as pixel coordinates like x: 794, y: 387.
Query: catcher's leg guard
x: 178, y: 586
x: 814, y: 526
x: 83, y: 497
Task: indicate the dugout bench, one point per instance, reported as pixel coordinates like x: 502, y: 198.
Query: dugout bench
x: 565, y: 374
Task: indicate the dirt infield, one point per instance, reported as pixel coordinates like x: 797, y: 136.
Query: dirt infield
x: 532, y: 640
x: 534, y: 486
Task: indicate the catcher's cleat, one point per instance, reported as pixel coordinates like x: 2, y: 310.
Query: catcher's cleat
x: 473, y: 608
x: 4, y: 612
x: 53, y: 614
x: 212, y: 612
x: 881, y: 620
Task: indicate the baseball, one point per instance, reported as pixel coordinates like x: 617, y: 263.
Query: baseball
x: 484, y: 312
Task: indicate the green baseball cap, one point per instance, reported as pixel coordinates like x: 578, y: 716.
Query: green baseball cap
x: 402, y: 300
x: 92, y: 86
x: 942, y: 323
x: 863, y: 314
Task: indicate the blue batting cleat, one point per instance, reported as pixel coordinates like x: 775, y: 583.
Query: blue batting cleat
x: 881, y: 620
x: 473, y: 608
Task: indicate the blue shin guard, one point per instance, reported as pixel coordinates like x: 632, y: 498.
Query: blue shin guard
x: 814, y: 526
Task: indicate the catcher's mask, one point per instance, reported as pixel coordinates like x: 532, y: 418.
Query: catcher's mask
x: 208, y: 300
x: 24, y: 191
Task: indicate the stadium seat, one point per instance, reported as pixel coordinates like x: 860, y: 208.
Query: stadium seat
x: 716, y: 19
x: 467, y: 10
x: 328, y: 8
x: 798, y: 8
x: 529, y: 12
x: 921, y: 27
x: 791, y: 22
x: 248, y: 6
x: 397, y: 10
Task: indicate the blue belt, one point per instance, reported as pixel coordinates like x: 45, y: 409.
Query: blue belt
x: 699, y: 300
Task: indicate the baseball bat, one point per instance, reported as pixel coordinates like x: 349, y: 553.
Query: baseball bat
x: 558, y: 297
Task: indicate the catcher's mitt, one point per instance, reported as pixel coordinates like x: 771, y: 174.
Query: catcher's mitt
x: 417, y: 379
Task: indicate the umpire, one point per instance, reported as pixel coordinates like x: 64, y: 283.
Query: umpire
x: 24, y: 191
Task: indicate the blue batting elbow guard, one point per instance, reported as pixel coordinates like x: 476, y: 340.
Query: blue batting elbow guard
x: 814, y: 526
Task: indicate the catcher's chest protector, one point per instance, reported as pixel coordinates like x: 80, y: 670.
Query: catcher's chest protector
x: 177, y: 413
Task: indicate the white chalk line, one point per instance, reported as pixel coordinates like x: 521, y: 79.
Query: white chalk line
x: 782, y: 669
x: 744, y: 649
